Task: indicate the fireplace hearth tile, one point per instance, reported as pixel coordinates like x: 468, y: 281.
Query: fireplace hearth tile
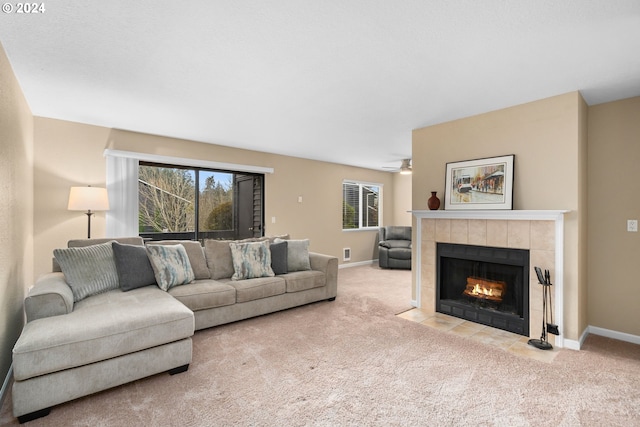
x: 467, y: 329
x: 497, y: 233
x: 478, y: 232
x: 443, y: 230
x: 415, y: 315
x: 496, y: 337
x: 460, y: 231
x: 428, y: 300
x: 428, y: 229
x: 507, y: 341
x: 543, y: 235
x: 519, y: 234
x: 443, y: 323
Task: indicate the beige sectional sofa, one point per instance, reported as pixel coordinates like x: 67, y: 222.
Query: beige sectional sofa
x: 75, y: 345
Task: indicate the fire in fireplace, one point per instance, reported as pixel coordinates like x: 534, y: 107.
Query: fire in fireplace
x: 484, y: 285
x: 483, y: 289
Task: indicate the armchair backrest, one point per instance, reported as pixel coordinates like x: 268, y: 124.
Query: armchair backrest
x: 395, y: 232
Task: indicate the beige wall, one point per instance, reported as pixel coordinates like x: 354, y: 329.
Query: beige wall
x: 16, y: 209
x: 614, y: 153
x: 547, y: 139
x: 401, y: 200
x: 78, y: 153
x: 66, y: 154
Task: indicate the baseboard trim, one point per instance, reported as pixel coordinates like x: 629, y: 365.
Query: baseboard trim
x: 5, y: 385
x: 621, y: 336
x: 608, y: 333
x: 357, y: 264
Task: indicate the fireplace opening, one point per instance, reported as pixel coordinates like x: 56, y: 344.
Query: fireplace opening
x: 485, y: 285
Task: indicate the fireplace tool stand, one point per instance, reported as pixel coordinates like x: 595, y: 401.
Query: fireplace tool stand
x: 547, y: 326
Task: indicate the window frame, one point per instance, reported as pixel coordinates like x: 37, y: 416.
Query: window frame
x: 361, y: 185
x: 198, y: 234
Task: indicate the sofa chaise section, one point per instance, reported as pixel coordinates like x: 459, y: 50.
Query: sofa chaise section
x: 106, y: 340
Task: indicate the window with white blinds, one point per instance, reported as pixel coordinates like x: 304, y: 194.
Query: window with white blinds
x: 361, y: 205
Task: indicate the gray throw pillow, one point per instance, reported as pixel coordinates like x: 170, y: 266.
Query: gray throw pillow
x: 171, y: 265
x: 88, y: 270
x: 133, y: 266
x: 297, y: 254
x: 279, y: 257
x: 251, y: 260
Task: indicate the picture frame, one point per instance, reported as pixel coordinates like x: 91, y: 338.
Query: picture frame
x: 480, y: 184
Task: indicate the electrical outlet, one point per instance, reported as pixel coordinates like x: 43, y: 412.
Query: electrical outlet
x: 632, y: 225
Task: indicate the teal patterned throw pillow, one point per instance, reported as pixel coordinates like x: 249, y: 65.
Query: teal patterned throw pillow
x: 251, y: 260
x: 171, y: 265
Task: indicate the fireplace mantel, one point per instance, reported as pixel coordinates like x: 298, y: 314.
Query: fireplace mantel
x: 425, y: 255
x: 531, y: 215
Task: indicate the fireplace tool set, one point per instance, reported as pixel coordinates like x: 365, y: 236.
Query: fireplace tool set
x: 547, y: 310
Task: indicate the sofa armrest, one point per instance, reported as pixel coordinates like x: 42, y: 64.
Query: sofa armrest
x: 329, y: 266
x: 50, y: 296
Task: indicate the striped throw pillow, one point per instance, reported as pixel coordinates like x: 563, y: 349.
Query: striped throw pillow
x: 88, y: 270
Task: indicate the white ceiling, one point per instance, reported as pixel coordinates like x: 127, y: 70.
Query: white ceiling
x: 337, y: 80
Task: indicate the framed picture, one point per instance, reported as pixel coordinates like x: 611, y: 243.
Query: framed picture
x: 480, y: 184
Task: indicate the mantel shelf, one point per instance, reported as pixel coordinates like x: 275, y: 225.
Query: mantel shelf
x: 531, y: 215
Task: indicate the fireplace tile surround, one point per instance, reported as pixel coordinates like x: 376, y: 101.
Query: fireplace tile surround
x: 532, y: 230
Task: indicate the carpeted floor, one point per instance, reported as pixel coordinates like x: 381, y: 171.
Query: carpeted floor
x: 352, y: 362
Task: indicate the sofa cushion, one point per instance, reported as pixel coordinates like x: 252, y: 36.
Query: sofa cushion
x: 99, y: 328
x: 262, y: 287
x: 204, y: 294
x: 279, y: 257
x: 302, y: 280
x: 171, y: 265
x: 88, y: 270
x: 251, y: 260
x: 133, y: 266
x: 297, y: 254
x: 195, y: 252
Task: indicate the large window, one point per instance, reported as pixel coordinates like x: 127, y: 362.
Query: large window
x: 178, y: 202
x: 361, y: 205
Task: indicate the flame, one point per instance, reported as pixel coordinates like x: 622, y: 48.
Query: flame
x: 481, y: 290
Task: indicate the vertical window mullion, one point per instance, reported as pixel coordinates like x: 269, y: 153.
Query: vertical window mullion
x: 196, y: 204
x: 360, y: 204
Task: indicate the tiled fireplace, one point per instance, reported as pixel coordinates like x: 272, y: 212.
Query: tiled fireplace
x: 539, y: 232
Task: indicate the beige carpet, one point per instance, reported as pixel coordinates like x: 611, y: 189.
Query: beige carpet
x: 351, y: 362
